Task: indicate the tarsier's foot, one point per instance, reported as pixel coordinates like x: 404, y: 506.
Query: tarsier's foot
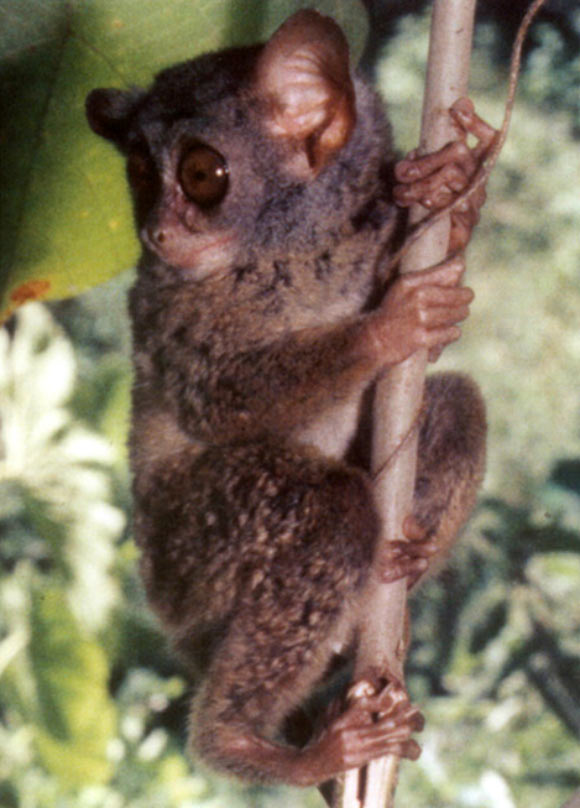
x: 372, y: 726
x: 408, y: 558
x: 435, y: 180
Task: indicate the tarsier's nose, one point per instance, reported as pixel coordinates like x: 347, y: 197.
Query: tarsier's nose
x: 155, y: 236
x: 158, y: 235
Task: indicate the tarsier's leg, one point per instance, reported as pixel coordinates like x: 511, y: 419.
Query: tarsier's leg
x: 434, y: 180
x: 297, y: 606
x: 231, y: 723
x: 450, y: 468
x: 452, y: 443
x: 451, y: 460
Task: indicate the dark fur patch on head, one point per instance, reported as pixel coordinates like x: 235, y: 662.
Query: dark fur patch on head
x: 183, y: 90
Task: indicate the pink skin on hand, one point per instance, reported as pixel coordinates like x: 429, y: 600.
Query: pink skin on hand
x: 435, y: 180
x: 421, y: 310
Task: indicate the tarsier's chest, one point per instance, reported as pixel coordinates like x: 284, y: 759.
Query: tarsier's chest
x: 256, y: 307
x: 290, y: 293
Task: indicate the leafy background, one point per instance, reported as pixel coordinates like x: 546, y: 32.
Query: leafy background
x: 92, y: 703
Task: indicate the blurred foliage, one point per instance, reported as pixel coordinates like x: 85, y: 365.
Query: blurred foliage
x: 93, y: 705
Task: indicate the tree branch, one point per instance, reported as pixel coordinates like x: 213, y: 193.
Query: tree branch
x: 399, y: 398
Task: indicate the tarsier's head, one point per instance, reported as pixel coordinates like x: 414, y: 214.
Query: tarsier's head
x: 232, y: 148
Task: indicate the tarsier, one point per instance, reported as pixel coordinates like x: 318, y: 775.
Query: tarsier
x: 262, y: 315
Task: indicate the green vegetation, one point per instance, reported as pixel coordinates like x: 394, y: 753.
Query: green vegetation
x: 93, y: 704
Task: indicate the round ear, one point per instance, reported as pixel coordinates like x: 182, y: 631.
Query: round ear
x: 304, y: 78
x: 109, y: 112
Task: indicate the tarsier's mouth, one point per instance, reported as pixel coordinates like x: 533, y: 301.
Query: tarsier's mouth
x: 197, y: 254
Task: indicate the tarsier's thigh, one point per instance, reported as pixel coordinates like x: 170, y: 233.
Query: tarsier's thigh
x: 264, y: 528
x: 298, y: 534
x: 451, y: 457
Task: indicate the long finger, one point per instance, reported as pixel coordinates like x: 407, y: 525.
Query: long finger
x: 414, y: 168
x: 436, y: 190
x: 465, y: 116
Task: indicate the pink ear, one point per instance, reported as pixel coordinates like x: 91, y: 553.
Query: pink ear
x: 303, y: 75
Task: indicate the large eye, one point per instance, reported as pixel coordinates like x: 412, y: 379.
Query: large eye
x: 203, y: 174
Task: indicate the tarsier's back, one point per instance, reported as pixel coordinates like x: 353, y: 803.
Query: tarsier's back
x: 263, y: 200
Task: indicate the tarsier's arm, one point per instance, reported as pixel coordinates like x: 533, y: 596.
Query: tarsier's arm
x: 278, y: 386
x: 282, y: 384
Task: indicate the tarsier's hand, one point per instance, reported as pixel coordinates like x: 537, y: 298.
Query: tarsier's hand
x: 421, y: 310
x: 435, y: 180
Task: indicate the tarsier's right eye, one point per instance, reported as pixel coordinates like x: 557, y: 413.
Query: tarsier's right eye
x: 203, y: 175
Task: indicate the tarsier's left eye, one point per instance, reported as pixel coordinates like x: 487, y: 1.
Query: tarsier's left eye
x: 203, y: 175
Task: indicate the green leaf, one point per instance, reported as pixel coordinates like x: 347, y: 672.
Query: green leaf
x: 76, y: 717
x: 65, y: 222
